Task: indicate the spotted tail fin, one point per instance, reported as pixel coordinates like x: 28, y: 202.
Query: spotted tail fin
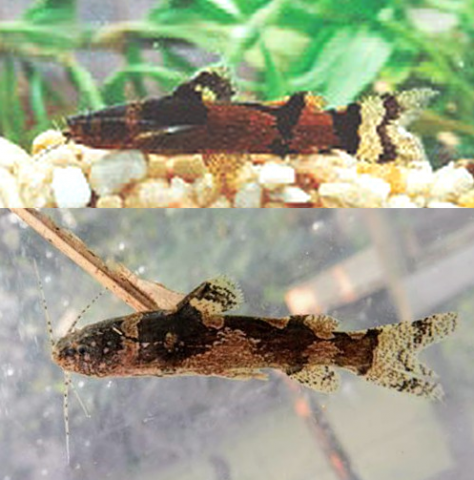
x: 382, y: 135
x: 395, y: 363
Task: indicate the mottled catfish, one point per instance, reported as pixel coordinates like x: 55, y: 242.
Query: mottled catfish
x: 196, y: 338
x: 200, y: 116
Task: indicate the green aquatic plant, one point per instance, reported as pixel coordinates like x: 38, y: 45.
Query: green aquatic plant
x: 338, y: 49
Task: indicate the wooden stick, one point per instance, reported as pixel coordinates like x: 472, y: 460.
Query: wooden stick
x: 314, y: 416
x: 141, y: 295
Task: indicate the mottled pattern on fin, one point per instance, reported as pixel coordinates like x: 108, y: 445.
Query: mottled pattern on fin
x: 412, y: 102
x: 213, y: 297
x: 381, y: 131
x: 402, y: 382
x: 372, y: 112
x: 210, y: 85
x: 227, y: 170
x: 320, y: 377
x: 395, y: 362
x: 414, y: 366
x: 322, y: 326
x: 315, y: 102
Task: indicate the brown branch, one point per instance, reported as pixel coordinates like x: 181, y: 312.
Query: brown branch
x: 141, y: 295
x: 314, y: 416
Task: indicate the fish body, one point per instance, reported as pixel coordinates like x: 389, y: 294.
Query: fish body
x: 201, y: 117
x: 197, y: 338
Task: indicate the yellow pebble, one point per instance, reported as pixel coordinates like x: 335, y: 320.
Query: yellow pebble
x: 47, y: 139
x: 205, y: 190
x: 366, y: 167
x: 274, y: 205
x: 110, y: 201
x: 149, y: 194
x: 392, y: 173
x: 467, y: 199
x: 221, y: 202
x: 395, y: 176
x: 158, y: 166
x: 188, y: 167
x: 62, y: 156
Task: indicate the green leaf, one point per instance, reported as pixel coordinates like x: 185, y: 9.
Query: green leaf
x: 134, y: 57
x: 250, y: 7
x: 48, y: 12
x: 286, y: 46
x: 37, y: 94
x: 275, y: 84
x: 17, y: 34
x: 212, y: 37
x: 346, y: 64
x: 350, y: 11
x: 304, y: 17
x: 89, y: 95
x: 305, y: 61
x: 219, y: 10
x: 173, y: 60
x: 12, y: 119
x: 114, y: 86
x: 180, y: 12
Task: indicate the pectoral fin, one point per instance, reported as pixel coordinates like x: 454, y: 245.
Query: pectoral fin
x: 320, y: 377
x: 162, y: 138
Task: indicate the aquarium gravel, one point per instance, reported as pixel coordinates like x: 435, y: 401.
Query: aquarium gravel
x: 60, y: 174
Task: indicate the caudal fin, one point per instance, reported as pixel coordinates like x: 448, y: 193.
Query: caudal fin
x: 382, y: 134
x: 395, y: 363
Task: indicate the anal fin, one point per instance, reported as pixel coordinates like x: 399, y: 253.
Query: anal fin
x: 319, y: 377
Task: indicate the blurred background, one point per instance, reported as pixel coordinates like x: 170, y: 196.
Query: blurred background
x: 364, y: 267
x: 60, y: 57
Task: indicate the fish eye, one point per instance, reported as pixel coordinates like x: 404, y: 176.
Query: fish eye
x: 69, y: 352
x: 81, y: 350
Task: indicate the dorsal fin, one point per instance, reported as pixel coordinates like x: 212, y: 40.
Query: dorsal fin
x: 213, y: 297
x: 323, y: 326
x: 209, y: 85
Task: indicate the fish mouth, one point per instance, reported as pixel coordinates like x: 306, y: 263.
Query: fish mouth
x: 65, y: 363
x: 65, y: 356
x: 67, y: 134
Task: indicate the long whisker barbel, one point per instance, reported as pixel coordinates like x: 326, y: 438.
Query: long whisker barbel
x: 67, y: 376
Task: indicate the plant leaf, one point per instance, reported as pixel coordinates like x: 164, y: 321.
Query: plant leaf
x: 47, y: 12
x: 347, y: 63
x: 274, y: 82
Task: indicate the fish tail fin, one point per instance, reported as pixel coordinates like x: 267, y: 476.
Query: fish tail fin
x: 395, y: 363
x: 381, y: 133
